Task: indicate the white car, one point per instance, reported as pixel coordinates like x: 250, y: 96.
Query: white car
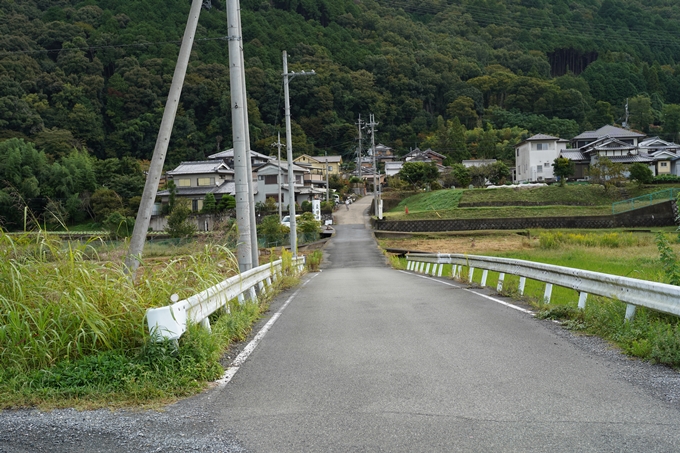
x: 286, y: 220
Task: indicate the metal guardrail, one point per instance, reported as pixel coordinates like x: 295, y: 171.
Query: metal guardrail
x: 645, y: 200
x: 643, y: 293
x: 170, y: 322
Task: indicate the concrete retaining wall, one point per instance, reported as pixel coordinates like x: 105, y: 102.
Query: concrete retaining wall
x: 661, y: 214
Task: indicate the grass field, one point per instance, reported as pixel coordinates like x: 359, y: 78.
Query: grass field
x: 568, y: 201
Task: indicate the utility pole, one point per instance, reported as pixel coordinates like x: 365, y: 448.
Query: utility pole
x: 328, y: 189
x: 373, y: 124
x: 360, y: 125
x: 255, y: 250
x: 156, y: 168
x: 289, y: 151
x: 244, y: 253
x: 278, y: 145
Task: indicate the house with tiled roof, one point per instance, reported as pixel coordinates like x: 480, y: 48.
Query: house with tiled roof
x: 194, y: 180
x: 417, y: 155
x: 623, y: 135
x: 534, y: 158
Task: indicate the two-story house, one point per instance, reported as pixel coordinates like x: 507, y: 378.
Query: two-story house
x: 271, y: 173
x: 194, y: 180
x: 320, y: 167
x: 534, y: 158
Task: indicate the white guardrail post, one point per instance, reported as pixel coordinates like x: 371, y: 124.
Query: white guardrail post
x: 170, y: 322
x: 634, y: 292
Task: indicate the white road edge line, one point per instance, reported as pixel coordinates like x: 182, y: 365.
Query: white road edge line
x: 250, y: 347
x: 514, y: 307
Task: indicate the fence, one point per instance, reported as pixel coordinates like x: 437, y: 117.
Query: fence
x: 658, y: 296
x: 644, y: 200
x: 170, y: 322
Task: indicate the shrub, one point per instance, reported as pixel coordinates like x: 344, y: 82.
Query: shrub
x: 118, y: 225
x: 179, y: 225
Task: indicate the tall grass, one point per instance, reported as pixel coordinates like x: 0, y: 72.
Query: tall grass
x: 72, y: 325
x: 557, y: 239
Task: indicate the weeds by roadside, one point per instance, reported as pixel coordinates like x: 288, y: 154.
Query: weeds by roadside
x: 72, y: 328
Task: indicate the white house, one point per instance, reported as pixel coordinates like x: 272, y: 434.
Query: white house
x: 534, y: 158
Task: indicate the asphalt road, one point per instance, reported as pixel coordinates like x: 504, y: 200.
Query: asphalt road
x: 368, y: 359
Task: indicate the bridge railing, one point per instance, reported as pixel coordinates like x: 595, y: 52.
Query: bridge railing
x: 645, y: 200
x: 634, y: 292
x: 170, y: 322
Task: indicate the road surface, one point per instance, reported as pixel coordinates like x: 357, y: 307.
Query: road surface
x: 368, y: 359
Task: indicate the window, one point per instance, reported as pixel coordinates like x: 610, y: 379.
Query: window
x: 275, y: 196
x: 184, y: 182
x: 542, y: 146
x: 539, y: 168
x: 664, y: 164
x: 196, y: 205
x: 270, y: 179
x: 517, y: 152
x: 206, y: 181
x: 298, y: 179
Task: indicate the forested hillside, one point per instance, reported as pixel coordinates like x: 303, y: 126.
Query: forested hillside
x: 470, y: 78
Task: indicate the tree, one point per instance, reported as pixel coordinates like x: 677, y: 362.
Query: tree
x: 641, y: 115
x: 461, y: 175
x: 227, y: 202
x: 209, y: 203
x: 600, y: 115
x: 104, y: 202
x: 563, y: 168
x: 499, y: 173
x: 670, y: 121
x: 606, y: 172
x: 463, y: 108
x: 419, y: 174
x: 179, y: 224
x: 640, y: 173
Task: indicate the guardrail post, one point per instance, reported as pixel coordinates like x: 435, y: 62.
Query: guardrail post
x: 205, y: 323
x: 421, y: 267
x: 253, y: 295
x: 485, y: 274
x: 458, y: 271
x: 241, y: 299
x: 499, y: 286
x: 471, y: 272
x: 522, y: 284
x: 548, y: 293
x: 630, y: 312
x: 269, y: 281
x: 441, y: 270
x: 453, y: 270
x: 582, y: 300
x: 427, y: 268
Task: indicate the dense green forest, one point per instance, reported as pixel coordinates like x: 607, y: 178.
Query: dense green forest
x: 469, y: 78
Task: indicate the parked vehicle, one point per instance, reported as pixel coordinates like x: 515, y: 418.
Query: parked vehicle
x: 286, y: 220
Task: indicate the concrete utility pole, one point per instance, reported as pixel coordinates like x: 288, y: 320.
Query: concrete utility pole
x: 328, y: 189
x: 156, y: 167
x: 255, y: 249
x: 244, y: 253
x: 278, y: 145
x: 360, y: 125
x: 373, y: 124
x: 289, y: 151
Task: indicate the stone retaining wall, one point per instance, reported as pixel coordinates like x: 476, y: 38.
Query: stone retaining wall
x: 661, y: 214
